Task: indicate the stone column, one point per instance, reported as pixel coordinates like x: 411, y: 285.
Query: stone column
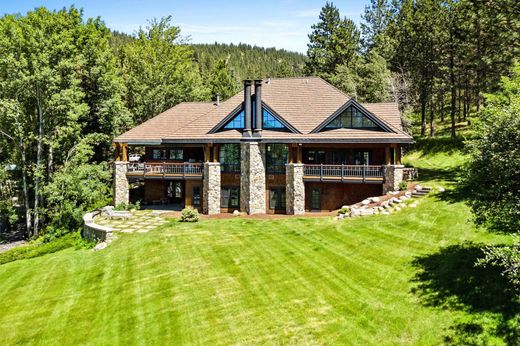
x: 252, y: 180
x: 295, y: 189
x: 211, y: 188
x: 393, y: 177
x: 121, y: 192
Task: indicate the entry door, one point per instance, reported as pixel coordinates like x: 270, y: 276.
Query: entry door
x: 316, y: 198
x: 175, y: 192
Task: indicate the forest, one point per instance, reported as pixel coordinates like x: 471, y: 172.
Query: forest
x: 69, y: 84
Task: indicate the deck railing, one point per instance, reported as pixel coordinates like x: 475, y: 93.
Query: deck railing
x: 165, y: 169
x: 343, y: 172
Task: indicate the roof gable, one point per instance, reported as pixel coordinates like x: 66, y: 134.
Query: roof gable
x: 368, y: 120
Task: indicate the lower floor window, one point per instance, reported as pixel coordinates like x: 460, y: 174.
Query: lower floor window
x: 229, y: 197
x: 196, y: 196
x: 315, y: 199
x: 277, y: 199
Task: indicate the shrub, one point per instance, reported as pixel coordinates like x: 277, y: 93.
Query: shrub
x: 189, y: 214
x: 343, y: 211
x: 128, y: 206
x: 403, y: 186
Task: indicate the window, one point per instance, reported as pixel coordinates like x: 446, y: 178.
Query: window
x: 277, y: 199
x: 352, y: 118
x: 229, y: 158
x: 276, y: 158
x: 195, y: 200
x: 316, y: 156
x: 315, y: 199
x: 361, y: 157
x: 176, y: 154
x: 159, y: 154
x: 229, y: 197
x: 270, y: 122
x: 237, y: 122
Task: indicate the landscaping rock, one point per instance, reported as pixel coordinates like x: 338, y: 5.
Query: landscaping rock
x: 408, y: 194
x: 374, y: 199
x: 397, y: 208
x: 418, y: 187
x: 100, y: 246
x: 236, y: 213
x: 441, y: 189
x: 365, y: 202
x: 413, y: 205
x: 345, y: 207
x: 385, y: 212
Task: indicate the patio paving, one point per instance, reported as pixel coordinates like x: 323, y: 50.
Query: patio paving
x: 142, y: 221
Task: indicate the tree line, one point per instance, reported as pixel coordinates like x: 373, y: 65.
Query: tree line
x: 438, y: 57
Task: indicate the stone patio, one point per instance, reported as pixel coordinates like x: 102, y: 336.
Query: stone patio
x: 142, y: 221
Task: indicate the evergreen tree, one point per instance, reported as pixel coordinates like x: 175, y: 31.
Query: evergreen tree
x: 334, y: 41
x: 376, y: 79
x: 221, y: 81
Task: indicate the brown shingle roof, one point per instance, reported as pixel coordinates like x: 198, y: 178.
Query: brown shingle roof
x: 304, y: 102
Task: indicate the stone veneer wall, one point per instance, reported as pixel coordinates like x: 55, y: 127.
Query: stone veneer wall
x: 252, y: 181
x: 295, y: 189
x: 121, y: 192
x: 211, y: 188
x: 393, y: 177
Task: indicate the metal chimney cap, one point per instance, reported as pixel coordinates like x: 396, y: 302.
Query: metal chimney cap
x: 248, y: 81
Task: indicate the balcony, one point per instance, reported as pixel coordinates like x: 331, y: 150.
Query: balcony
x: 184, y: 170
x: 344, y: 173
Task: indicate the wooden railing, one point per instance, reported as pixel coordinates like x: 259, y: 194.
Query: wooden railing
x: 410, y: 173
x: 185, y: 169
x: 343, y: 172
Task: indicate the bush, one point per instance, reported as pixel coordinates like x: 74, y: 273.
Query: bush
x: 343, y: 211
x: 189, y: 215
x: 128, y: 206
x: 39, y: 248
x: 403, y: 186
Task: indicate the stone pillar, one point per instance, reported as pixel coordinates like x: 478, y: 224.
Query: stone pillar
x: 295, y: 189
x: 252, y: 180
x: 211, y: 188
x: 393, y: 177
x: 121, y: 192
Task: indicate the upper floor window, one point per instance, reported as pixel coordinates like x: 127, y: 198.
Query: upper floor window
x: 270, y: 122
x: 229, y: 158
x: 236, y: 123
x: 276, y: 158
x: 159, y: 154
x: 176, y: 154
x: 352, y: 118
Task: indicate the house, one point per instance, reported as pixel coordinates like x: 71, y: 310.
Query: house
x: 283, y: 145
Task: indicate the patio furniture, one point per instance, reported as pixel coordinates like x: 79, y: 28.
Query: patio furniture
x: 116, y: 214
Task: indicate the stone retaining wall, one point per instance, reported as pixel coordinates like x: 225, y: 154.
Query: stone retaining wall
x: 94, y: 232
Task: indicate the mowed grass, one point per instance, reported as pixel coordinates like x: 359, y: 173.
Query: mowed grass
x: 290, y: 281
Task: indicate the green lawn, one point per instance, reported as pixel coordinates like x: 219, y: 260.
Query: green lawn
x: 407, y: 278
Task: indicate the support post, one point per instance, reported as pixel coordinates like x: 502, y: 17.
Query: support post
x: 121, y: 190
x: 294, y: 189
x: 211, y: 188
x: 252, y: 180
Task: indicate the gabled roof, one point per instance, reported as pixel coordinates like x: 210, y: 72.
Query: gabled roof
x: 302, y: 102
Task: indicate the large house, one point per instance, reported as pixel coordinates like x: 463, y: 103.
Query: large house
x: 283, y: 145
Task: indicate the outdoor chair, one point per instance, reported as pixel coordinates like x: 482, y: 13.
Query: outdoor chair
x: 116, y: 214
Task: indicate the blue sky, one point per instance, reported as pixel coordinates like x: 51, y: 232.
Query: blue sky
x: 268, y: 23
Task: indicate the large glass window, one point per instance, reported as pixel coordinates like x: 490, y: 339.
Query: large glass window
x: 159, y: 154
x: 229, y: 197
x: 316, y: 156
x: 276, y: 158
x: 277, y: 199
x: 352, y: 118
x: 361, y: 157
x: 236, y: 123
x: 229, y: 158
x: 270, y: 122
x: 176, y: 154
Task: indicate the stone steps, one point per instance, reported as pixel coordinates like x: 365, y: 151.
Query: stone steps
x: 421, y: 191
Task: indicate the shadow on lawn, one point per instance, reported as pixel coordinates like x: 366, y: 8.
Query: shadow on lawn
x: 450, y: 279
